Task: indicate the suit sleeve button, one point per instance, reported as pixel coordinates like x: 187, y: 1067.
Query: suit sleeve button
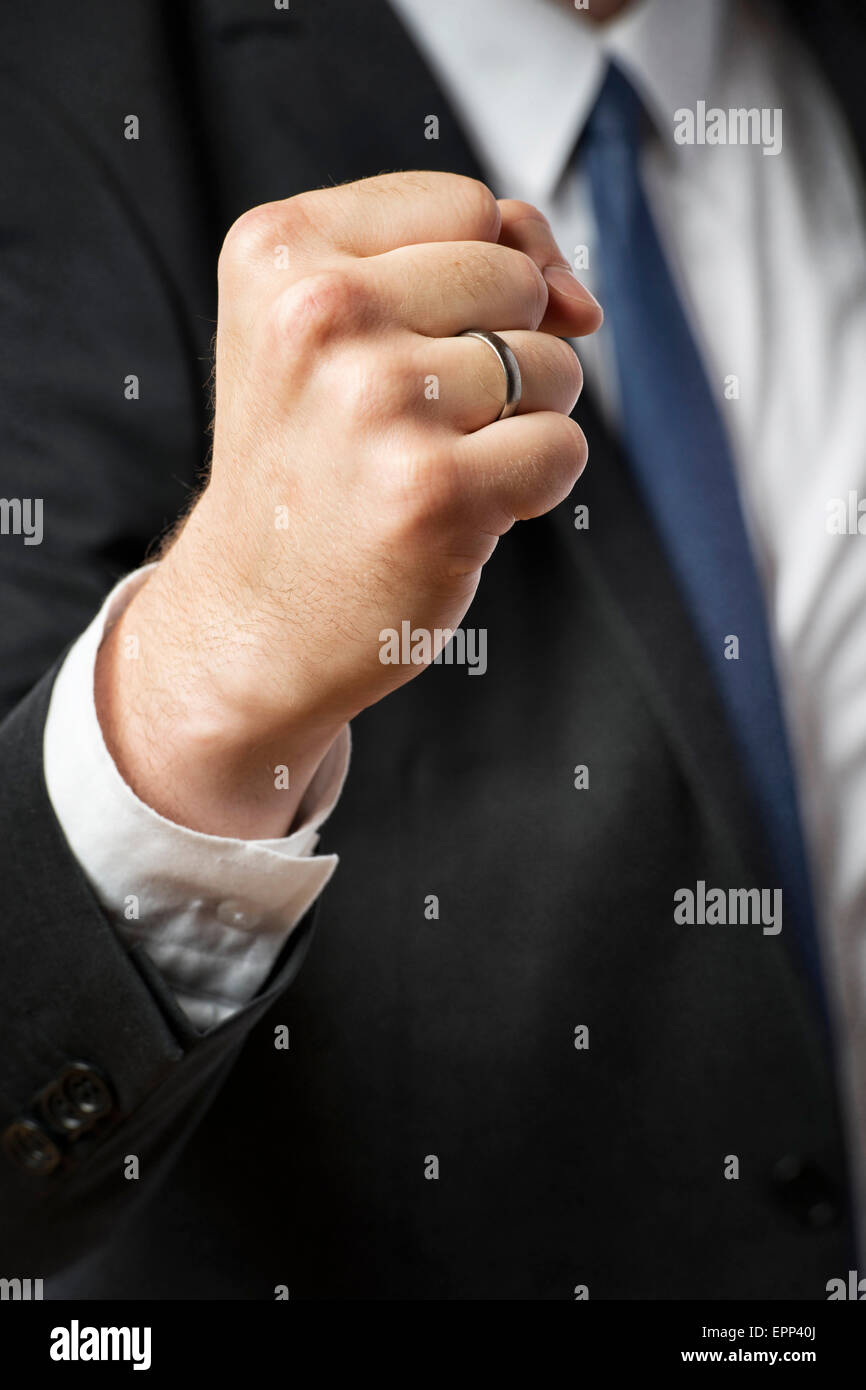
x: 57, y: 1110
x: 30, y: 1148
x: 86, y: 1091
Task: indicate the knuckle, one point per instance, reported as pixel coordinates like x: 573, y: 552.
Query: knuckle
x: 258, y: 233
x: 248, y: 234
x: 481, y: 210
x: 401, y: 383
x: 373, y: 391
x: 567, y: 370
x: 319, y: 307
x: 533, y: 288
x: 568, y: 444
x: 417, y: 484
x: 302, y: 216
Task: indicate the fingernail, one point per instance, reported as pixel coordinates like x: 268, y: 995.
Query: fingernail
x: 560, y: 278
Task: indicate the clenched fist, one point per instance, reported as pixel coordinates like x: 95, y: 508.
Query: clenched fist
x: 360, y: 479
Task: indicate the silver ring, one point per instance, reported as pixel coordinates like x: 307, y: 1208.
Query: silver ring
x: 508, y: 363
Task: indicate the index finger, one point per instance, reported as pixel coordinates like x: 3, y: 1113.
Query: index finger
x: 379, y: 214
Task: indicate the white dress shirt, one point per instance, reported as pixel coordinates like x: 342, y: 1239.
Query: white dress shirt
x: 213, y: 912
x: 770, y: 256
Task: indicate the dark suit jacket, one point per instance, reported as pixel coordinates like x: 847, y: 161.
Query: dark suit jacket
x: 558, y: 1167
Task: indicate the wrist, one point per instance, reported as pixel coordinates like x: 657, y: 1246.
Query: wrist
x: 188, y: 744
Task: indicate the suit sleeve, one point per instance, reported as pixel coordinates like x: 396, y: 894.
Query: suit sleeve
x: 103, y: 357
x: 99, y: 1063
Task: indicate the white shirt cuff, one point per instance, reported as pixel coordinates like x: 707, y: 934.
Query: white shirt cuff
x: 213, y: 912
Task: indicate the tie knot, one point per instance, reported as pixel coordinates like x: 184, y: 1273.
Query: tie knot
x: 618, y: 111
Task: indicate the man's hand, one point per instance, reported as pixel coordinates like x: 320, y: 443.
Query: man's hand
x: 346, y: 495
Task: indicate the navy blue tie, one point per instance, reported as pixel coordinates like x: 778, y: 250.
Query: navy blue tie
x: 678, y: 452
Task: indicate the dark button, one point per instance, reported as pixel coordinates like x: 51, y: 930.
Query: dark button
x: 29, y: 1146
x: 86, y: 1090
x: 58, y: 1111
x: 75, y: 1100
x: 807, y: 1192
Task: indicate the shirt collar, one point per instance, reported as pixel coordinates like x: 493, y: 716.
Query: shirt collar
x: 522, y: 75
